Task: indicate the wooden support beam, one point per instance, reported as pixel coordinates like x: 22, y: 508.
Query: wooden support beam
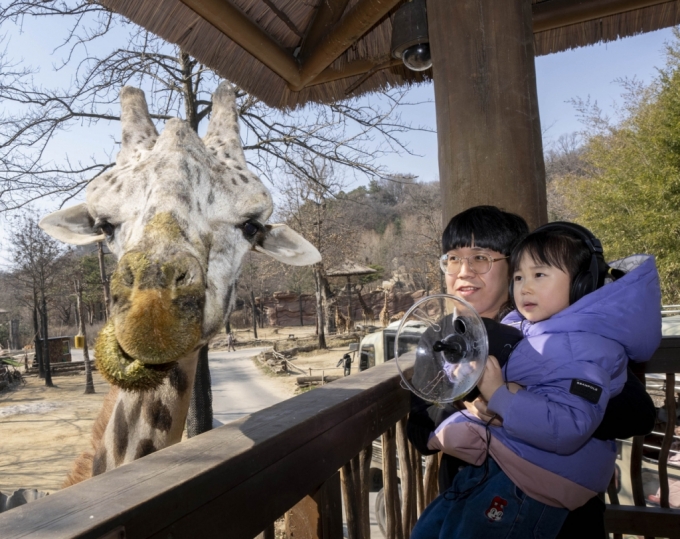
x: 358, y: 67
x: 488, y: 126
x: 327, y: 14
x: 559, y: 13
x: 231, y: 21
x: 359, y: 20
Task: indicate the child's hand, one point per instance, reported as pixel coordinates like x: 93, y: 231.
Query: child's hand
x: 491, y: 380
x: 478, y: 408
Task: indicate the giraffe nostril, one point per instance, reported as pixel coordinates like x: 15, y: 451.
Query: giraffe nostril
x: 181, y: 279
x: 127, y: 278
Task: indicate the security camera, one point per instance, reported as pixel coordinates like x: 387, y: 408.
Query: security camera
x: 410, y: 41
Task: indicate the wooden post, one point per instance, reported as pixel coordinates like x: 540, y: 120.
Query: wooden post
x: 318, y: 516
x: 408, y: 494
x: 488, y: 126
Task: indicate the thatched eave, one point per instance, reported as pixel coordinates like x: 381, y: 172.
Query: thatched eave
x: 272, y: 48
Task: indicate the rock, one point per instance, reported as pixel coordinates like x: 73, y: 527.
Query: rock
x: 19, y: 497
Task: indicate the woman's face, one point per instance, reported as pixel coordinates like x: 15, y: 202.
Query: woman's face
x: 486, y: 292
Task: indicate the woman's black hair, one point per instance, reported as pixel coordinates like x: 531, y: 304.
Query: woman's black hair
x: 560, y: 249
x: 487, y: 227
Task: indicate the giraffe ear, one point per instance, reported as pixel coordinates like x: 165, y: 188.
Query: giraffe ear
x: 72, y: 225
x: 287, y: 246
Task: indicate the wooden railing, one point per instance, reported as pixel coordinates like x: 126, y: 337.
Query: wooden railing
x: 639, y: 519
x: 236, y: 480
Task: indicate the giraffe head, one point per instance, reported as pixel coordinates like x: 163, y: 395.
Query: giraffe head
x: 180, y: 214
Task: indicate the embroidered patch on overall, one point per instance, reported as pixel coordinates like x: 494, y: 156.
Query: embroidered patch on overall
x: 495, y: 510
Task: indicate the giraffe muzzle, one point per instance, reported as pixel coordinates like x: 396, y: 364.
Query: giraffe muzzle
x: 157, y: 306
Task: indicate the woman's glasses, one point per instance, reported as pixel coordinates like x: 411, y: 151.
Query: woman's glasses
x: 479, y: 263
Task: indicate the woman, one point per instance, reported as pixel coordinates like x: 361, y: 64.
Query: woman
x: 477, y: 244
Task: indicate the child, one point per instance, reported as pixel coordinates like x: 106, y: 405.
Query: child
x: 542, y: 461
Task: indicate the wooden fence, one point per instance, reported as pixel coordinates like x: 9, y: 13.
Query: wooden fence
x: 236, y: 480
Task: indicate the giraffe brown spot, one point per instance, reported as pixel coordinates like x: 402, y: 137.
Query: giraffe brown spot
x: 244, y: 178
x: 145, y: 448
x: 185, y: 168
x: 136, y: 411
x: 233, y: 180
x: 178, y: 380
x: 158, y: 416
x: 211, y: 197
x: 237, y: 167
x: 120, y: 434
x: 126, y: 137
x: 184, y: 198
x: 99, y: 461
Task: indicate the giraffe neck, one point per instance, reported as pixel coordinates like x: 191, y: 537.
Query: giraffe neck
x: 143, y: 422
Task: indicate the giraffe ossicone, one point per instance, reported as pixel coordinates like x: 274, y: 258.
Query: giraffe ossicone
x: 180, y: 213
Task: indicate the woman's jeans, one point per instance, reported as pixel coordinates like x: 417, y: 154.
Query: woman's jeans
x: 494, y: 508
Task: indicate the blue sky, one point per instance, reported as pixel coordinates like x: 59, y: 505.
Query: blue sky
x: 585, y: 72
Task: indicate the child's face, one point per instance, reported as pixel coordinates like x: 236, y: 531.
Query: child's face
x: 540, y: 291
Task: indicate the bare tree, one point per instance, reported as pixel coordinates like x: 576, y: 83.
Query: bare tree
x: 313, y: 206
x: 36, y: 257
x: 422, y: 234
x: 350, y: 134
x: 78, y: 287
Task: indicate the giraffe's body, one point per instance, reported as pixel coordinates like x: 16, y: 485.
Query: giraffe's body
x: 340, y: 320
x: 384, y: 316
x: 368, y: 314
x: 180, y: 213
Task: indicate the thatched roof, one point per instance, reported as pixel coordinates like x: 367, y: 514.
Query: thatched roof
x: 273, y: 48
x: 349, y: 269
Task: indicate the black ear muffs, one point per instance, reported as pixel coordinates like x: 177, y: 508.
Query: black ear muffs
x: 589, y: 279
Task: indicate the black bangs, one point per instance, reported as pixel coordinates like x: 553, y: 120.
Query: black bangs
x: 487, y: 227
x: 555, y: 248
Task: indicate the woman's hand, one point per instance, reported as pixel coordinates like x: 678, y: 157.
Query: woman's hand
x: 491, y: 380
x: 478, y: 408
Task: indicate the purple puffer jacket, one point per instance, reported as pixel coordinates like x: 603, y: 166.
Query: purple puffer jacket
x: 570, y: 364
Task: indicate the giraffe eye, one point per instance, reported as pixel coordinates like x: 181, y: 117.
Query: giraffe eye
x: 250, y: 229
x: 107, y: 228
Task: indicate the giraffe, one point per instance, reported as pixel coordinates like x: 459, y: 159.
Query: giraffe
x: 340, y: 320
x: 384, y: 315
x: 368, y: 314
x: 180, y: 214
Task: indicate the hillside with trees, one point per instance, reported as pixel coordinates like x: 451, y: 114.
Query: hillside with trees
x: 620, y: 177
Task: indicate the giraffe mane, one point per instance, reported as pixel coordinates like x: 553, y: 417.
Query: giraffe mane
x: 82, y: 467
